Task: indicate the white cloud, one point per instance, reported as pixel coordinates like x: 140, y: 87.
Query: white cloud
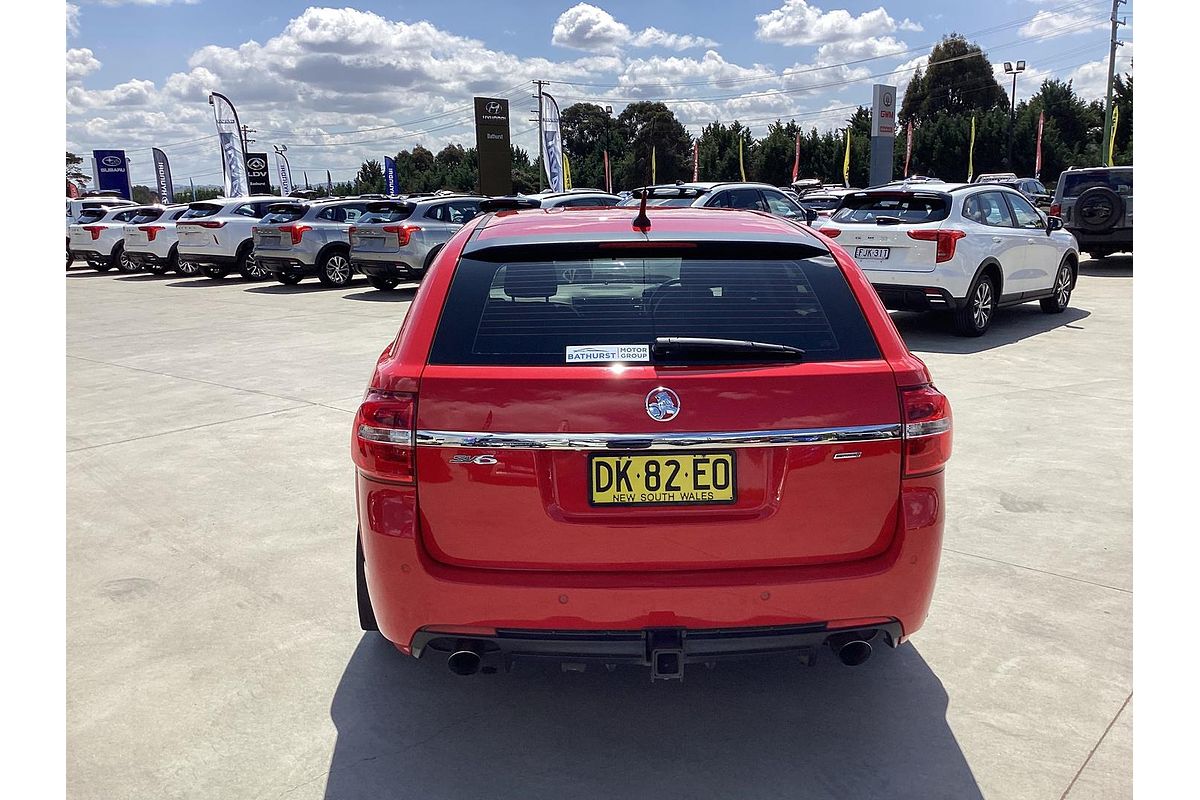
x: 1090, y: 81
x: 587, y: 27
x: 72, y: 19
x: 797, y: 22
x: 80, y: 63
x: 1047, y: 24
x: 859, y: 49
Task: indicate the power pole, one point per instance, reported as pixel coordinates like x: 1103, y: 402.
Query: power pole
x: 246, y: 140
x: 1112, y: 69
x: 541, y: 141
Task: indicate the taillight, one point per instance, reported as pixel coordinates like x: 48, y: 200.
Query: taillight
x: 403, y: 232
x: 927, y: 430
x: 946, y: 238
x: 353, y: 230
x: 202, y: 223
x: 832, y: 233
x: 296, y: 231
x: 383, y: 444
x: 151, y: 231
x: 1056, y: 209
x: 94, y: 230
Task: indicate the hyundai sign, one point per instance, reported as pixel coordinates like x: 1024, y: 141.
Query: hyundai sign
x: 492, y: 145
x: 112, y: 172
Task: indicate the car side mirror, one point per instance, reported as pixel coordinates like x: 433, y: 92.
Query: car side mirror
x: 1053, y: 224
x: 810, y: 216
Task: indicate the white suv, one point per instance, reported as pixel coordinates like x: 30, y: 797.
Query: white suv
x: 151, y: 243
x: 965, y: 248
x: 76, y: 206
x: 97, y: 237
x: 218, y: 235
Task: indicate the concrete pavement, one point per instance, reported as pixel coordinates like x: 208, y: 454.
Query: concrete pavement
x: 212, y: 641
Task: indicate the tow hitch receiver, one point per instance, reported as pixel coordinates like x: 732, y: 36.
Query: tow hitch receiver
x: 664, y: 651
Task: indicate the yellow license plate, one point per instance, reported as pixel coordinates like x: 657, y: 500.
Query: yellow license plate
x: 661, y: 479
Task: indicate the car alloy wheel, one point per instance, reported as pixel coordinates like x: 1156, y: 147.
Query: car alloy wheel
x: 982, y: 305
x: 1062, y: 286
x: 126, y: 264
x: 253, y: 269
x: 337, y: 269
x: 187, y: 268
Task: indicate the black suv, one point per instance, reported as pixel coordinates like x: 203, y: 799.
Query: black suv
x: 1096, y: 204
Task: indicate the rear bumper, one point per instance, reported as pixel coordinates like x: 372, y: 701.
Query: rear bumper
x: 900, y: 297
x: 385, y: 269
x: 142, y: 258
x: 92, y: 256
x: 411, y: 593
x: 207, y: 259
x: 1116, y: 239
x: 279, y: 264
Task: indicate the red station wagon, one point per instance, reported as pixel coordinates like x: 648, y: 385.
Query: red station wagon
x: 605, y: 438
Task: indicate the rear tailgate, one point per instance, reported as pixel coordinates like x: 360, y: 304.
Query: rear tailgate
x: 270, y: 237
x: 373, y: 239
x: 136, y: 238
x: 873, y: 226
x: 527, y: 462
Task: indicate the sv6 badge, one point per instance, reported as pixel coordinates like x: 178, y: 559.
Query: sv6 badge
x: 484, y: 459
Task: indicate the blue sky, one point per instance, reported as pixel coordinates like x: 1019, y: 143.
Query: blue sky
x: 138, y: 70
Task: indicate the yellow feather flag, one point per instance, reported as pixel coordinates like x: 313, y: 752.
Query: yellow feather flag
x: 846, y: 161
x: 566, y: 172
x: 741, y: 161
x: 1112, y: 137
x: 971, y: 154
x: 653, y: 165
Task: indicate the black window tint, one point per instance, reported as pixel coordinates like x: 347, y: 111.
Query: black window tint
x: 248, y: 210
x: 460, y: 212
x: 196, y: 212
x: 280, y: 214
x: 906, y: 207
x: 1076, y: 183
x: 178, y: 214
x: 126, y: 216
x: 528, y: 312
x: 89, y: 215
x: 332, y: 214
x: 145, y: 216
x: 385, y: 212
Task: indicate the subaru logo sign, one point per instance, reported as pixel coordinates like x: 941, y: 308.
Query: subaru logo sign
x: 494, y: 107
x: 111, y: 161
x: 256, y: 163
x: 662, y: 404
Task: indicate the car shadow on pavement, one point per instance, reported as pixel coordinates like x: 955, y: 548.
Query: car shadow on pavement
x: 932, y: 332
x: 1110, y: 267
x: 401, y: 294
x: 304, y: 287
x: 88, y: 273
x: 192, y: 282
x: 146, y: 277
x: 765, y: 728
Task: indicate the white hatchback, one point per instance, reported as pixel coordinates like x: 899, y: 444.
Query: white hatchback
x: 964, y: 248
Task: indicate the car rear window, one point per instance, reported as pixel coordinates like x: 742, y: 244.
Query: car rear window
x: 144, y: 216
x: 527, y: 312
x: 1076, y: 183
x: 821, y: 203
x: 91, y: 215
x: 196, y: 212
x: 905, y: 206
x: 283, y: 213
x: 386, y: 212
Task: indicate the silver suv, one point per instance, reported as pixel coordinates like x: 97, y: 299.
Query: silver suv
x: 397, y: 239
x: 1096, y: 205
x: 299, y: 238
x: 218, y: 235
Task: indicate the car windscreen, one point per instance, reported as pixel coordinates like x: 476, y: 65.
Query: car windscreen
x: 283, y: 213
x: 385, y: 212
x: 198, y: 211
x: 904, y: 206
x: 1076, y: 183
x: 533, y: 312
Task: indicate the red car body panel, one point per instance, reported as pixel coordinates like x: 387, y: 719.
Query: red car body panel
x: 809, y: 539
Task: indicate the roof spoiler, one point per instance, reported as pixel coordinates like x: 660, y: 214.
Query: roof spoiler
x: 507, y: 204
x: 390, y: 205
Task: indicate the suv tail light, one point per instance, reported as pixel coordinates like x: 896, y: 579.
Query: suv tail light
x: 202, y: 223
x: 1056, y: 209
x: 151, y: 231
x: 832, y: 233
x: 403, y: 232
x: 94, y: 230
x: 946, y: 238
x: 353, y: 229
x: 296, y: 231
x: 927, y: 430
x: 384, y: 444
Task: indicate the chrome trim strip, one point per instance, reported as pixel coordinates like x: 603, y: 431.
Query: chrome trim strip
x: 657, y: 441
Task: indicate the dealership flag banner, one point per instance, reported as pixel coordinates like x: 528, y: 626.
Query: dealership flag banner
x: 907, y: 148
x: 233, y: 156
x: 162, y: 174
x: 971, y: 154
x: 607, y: 174
x: 552, y: 144
x: 1037, y: 166
x: 741, y: 161
x: 328, y: 184
x: 192, y: 184
x: 112, y: 172
x: 796, y: 163
x: 653, y: 164
x: 566, y: 173
x: 72, y: 190
x: 696, y: 160
x: 285, y: 174
x: 390, y: 178
x: 846, y: 162
x: 1112, y: 138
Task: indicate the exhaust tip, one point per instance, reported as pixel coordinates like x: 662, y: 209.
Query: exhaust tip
x: 466, y: 662
x: 854, y: 653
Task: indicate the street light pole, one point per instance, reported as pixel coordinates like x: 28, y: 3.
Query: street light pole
x: 1009, y: 69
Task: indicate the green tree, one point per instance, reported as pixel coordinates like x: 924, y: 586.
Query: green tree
x: 718, y: 152
x: 957, y: 80
x: 588, y: 130
x: 144, y: 195
x: 524, y: 171
x: 76, y: 175
x: 647, y: 127
x: 369, y: 179
x: 775, y: 153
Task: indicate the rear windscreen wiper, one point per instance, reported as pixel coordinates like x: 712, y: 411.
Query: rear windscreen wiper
x: 721, y: 350
x: 888, y: 220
